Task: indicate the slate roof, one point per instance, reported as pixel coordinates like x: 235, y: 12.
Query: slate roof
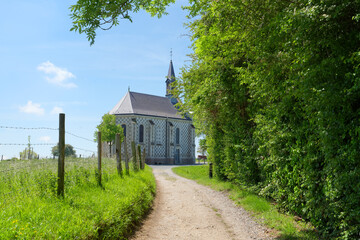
x: 145, y: 104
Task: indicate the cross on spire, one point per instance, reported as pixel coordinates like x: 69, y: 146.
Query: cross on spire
x: 171, y: 54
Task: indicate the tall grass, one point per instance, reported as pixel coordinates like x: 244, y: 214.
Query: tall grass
x: 30, y: 209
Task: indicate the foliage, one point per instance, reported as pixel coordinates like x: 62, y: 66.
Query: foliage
x: 69, y: 151
x: 202, y: 146
x: 88, y: 16
x: 31, y: 210
x: 274, y: 86
x: 258, y: 206
x: 109, y: 129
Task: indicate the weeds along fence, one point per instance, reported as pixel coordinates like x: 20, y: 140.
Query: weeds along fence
x: 54, y: 177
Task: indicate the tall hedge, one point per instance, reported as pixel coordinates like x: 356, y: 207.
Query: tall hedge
x: 275, y: 87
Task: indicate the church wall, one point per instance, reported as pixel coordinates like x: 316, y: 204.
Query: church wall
x: 158, y: 150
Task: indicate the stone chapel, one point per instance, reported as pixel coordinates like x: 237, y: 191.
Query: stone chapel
x: 155, y: 124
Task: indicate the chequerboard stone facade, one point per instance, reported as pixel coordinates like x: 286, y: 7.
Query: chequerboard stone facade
x: 154, y: 123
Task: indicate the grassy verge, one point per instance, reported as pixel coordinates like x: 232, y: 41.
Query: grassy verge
x: 30, y: 209
x: 262, y: 210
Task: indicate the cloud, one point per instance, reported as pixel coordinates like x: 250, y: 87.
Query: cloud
x: 57, y: 110
x: 56, y: 75
x: 32, y: 108
x: 45, y: 139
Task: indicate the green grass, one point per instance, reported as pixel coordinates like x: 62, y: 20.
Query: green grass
x: 262, y: 210
x: 30, y: 209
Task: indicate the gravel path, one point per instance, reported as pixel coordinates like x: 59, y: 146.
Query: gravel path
x: 184, y: 209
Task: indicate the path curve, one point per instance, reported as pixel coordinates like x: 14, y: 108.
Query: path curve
x: 184, y: 209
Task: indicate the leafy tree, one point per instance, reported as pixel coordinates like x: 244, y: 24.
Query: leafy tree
x: 69, y: 151
x: 202, y: 146
x: 109, y: 129
x: 88, y: 16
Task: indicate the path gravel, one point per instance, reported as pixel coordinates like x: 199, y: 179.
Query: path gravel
x: 184, y: 209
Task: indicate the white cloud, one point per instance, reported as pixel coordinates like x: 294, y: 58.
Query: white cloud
x: 45, y: 139
x: 57, y: 110
x: 32, y: 108
x: 56, y: 75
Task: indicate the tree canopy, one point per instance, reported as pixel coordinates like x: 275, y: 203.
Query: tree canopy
x: 108, y: 128
x: 69, y: 151
x: 88, y: 16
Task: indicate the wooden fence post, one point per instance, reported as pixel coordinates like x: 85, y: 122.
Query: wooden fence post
x: 126, y: 158
x: 61, y: 161
x: 133, y: 150
x: 210, y: 170
x: 143, y: 159
x: 118, y: 154
x: 139, y: 156
x: 99, y: 158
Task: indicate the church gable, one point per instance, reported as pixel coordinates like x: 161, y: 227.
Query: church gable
x: 155, y: 124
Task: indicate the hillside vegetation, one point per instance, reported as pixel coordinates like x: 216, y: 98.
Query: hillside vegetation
x: 30, y: 209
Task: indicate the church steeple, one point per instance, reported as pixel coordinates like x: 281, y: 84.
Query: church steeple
x: 170, y: 78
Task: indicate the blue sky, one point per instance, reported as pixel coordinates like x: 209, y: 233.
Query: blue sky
x: 46, y: 69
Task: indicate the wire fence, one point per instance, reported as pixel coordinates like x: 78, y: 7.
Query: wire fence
x: 81, y: 149
x: 52, y: 177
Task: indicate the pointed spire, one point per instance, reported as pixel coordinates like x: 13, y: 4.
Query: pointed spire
x: 170, y: 78
x: 171, y: 72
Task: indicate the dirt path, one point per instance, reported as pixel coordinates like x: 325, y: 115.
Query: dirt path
x: 184, y: 209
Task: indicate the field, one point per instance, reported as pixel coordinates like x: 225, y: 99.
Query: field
x: 30, y: 208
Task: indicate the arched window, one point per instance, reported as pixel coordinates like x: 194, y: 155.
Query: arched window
x: 124, y: 128
x: 177, y: 136
x: 141, y: 133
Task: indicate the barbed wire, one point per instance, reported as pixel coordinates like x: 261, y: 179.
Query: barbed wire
x: 87, y: 139
x: 86, y: 150
x: 26, y: 144
x: 33, y: 128
x: 45, y: 128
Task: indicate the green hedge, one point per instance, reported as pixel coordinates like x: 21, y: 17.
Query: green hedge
x: 275, y: 87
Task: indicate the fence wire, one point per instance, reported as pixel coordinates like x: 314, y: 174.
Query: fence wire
x: 26, y: 144
x: 28, y: 128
